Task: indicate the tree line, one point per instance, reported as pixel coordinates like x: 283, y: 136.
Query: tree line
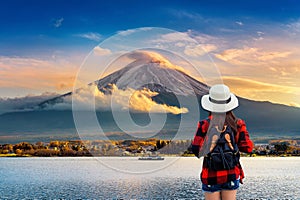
x: 53, y: 148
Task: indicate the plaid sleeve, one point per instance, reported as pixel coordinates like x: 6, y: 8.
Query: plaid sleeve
x: 199, y: 136
x: 244, y: 143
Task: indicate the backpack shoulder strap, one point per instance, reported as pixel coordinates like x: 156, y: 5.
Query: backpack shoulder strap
x: 232, y: 134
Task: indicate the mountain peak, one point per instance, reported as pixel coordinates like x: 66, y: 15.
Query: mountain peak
x: 156, y: 74
x: 144, y: 57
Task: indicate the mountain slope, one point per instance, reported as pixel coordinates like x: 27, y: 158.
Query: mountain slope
x: 155, y: 77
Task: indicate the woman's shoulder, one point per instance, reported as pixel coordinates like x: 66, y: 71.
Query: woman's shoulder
x: 241, y: 125
x: 240, y: 122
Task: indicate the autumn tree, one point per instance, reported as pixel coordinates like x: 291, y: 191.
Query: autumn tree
x: 18, y: 151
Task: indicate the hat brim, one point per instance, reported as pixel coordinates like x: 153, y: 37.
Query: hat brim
x: 219, y: 108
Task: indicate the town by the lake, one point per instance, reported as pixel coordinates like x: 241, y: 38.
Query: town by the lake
x: 133, y: 148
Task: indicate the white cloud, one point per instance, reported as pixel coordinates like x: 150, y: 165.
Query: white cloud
x: 58, y: 22
x: 180, y: 44
x: 294, y: 27
x: 175, y: 37
x: 209, y: 47
x: 203, y: 38
x: 101, y: 51
x: 91, y: 36
x: 126, y: 32
x: 131, y: 31
x: 186, y: 14
x: 135, y: 100
x: 199, y: 50
x: 23, y: 103
x: 259, y: 36
x: 260, y: 33
x: 239, y: 23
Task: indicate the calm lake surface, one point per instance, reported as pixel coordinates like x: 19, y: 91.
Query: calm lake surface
x: 129, y: 178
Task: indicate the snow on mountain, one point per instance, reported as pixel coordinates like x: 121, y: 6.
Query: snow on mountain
x: 156, y: 77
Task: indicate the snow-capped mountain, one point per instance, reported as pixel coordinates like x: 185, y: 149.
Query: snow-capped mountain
x: 156, y: 77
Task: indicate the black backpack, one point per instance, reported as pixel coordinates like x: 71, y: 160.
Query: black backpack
x: 224, y: 153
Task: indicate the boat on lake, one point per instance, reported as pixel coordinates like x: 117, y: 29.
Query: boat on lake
x: 151, y: 158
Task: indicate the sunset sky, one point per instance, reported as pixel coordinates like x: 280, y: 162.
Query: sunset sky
x: 255, y: 44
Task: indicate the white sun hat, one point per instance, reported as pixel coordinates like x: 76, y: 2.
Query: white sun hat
x: 219, y: 99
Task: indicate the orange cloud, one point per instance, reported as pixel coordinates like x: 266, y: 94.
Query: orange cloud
x: 263, y: 63
x: 37, y: 74
x: 265, y: 56
x: 262, y: 91
x: 249, y: 56
x: 233, y: 54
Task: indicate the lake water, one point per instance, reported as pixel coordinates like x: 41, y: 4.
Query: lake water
x: 129, y: 178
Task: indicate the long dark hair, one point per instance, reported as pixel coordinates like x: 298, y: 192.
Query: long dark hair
x: 230, y: 119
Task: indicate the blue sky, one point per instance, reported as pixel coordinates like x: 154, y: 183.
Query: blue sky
x: 254, y: 43
x: 39, y: 27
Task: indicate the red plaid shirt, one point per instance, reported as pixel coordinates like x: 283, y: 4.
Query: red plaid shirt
x: 244, y: 143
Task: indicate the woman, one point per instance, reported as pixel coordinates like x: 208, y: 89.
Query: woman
x: 221, y: 182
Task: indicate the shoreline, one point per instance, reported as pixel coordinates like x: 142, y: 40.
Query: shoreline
x: 161, y: 155
x: 134, y: 148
